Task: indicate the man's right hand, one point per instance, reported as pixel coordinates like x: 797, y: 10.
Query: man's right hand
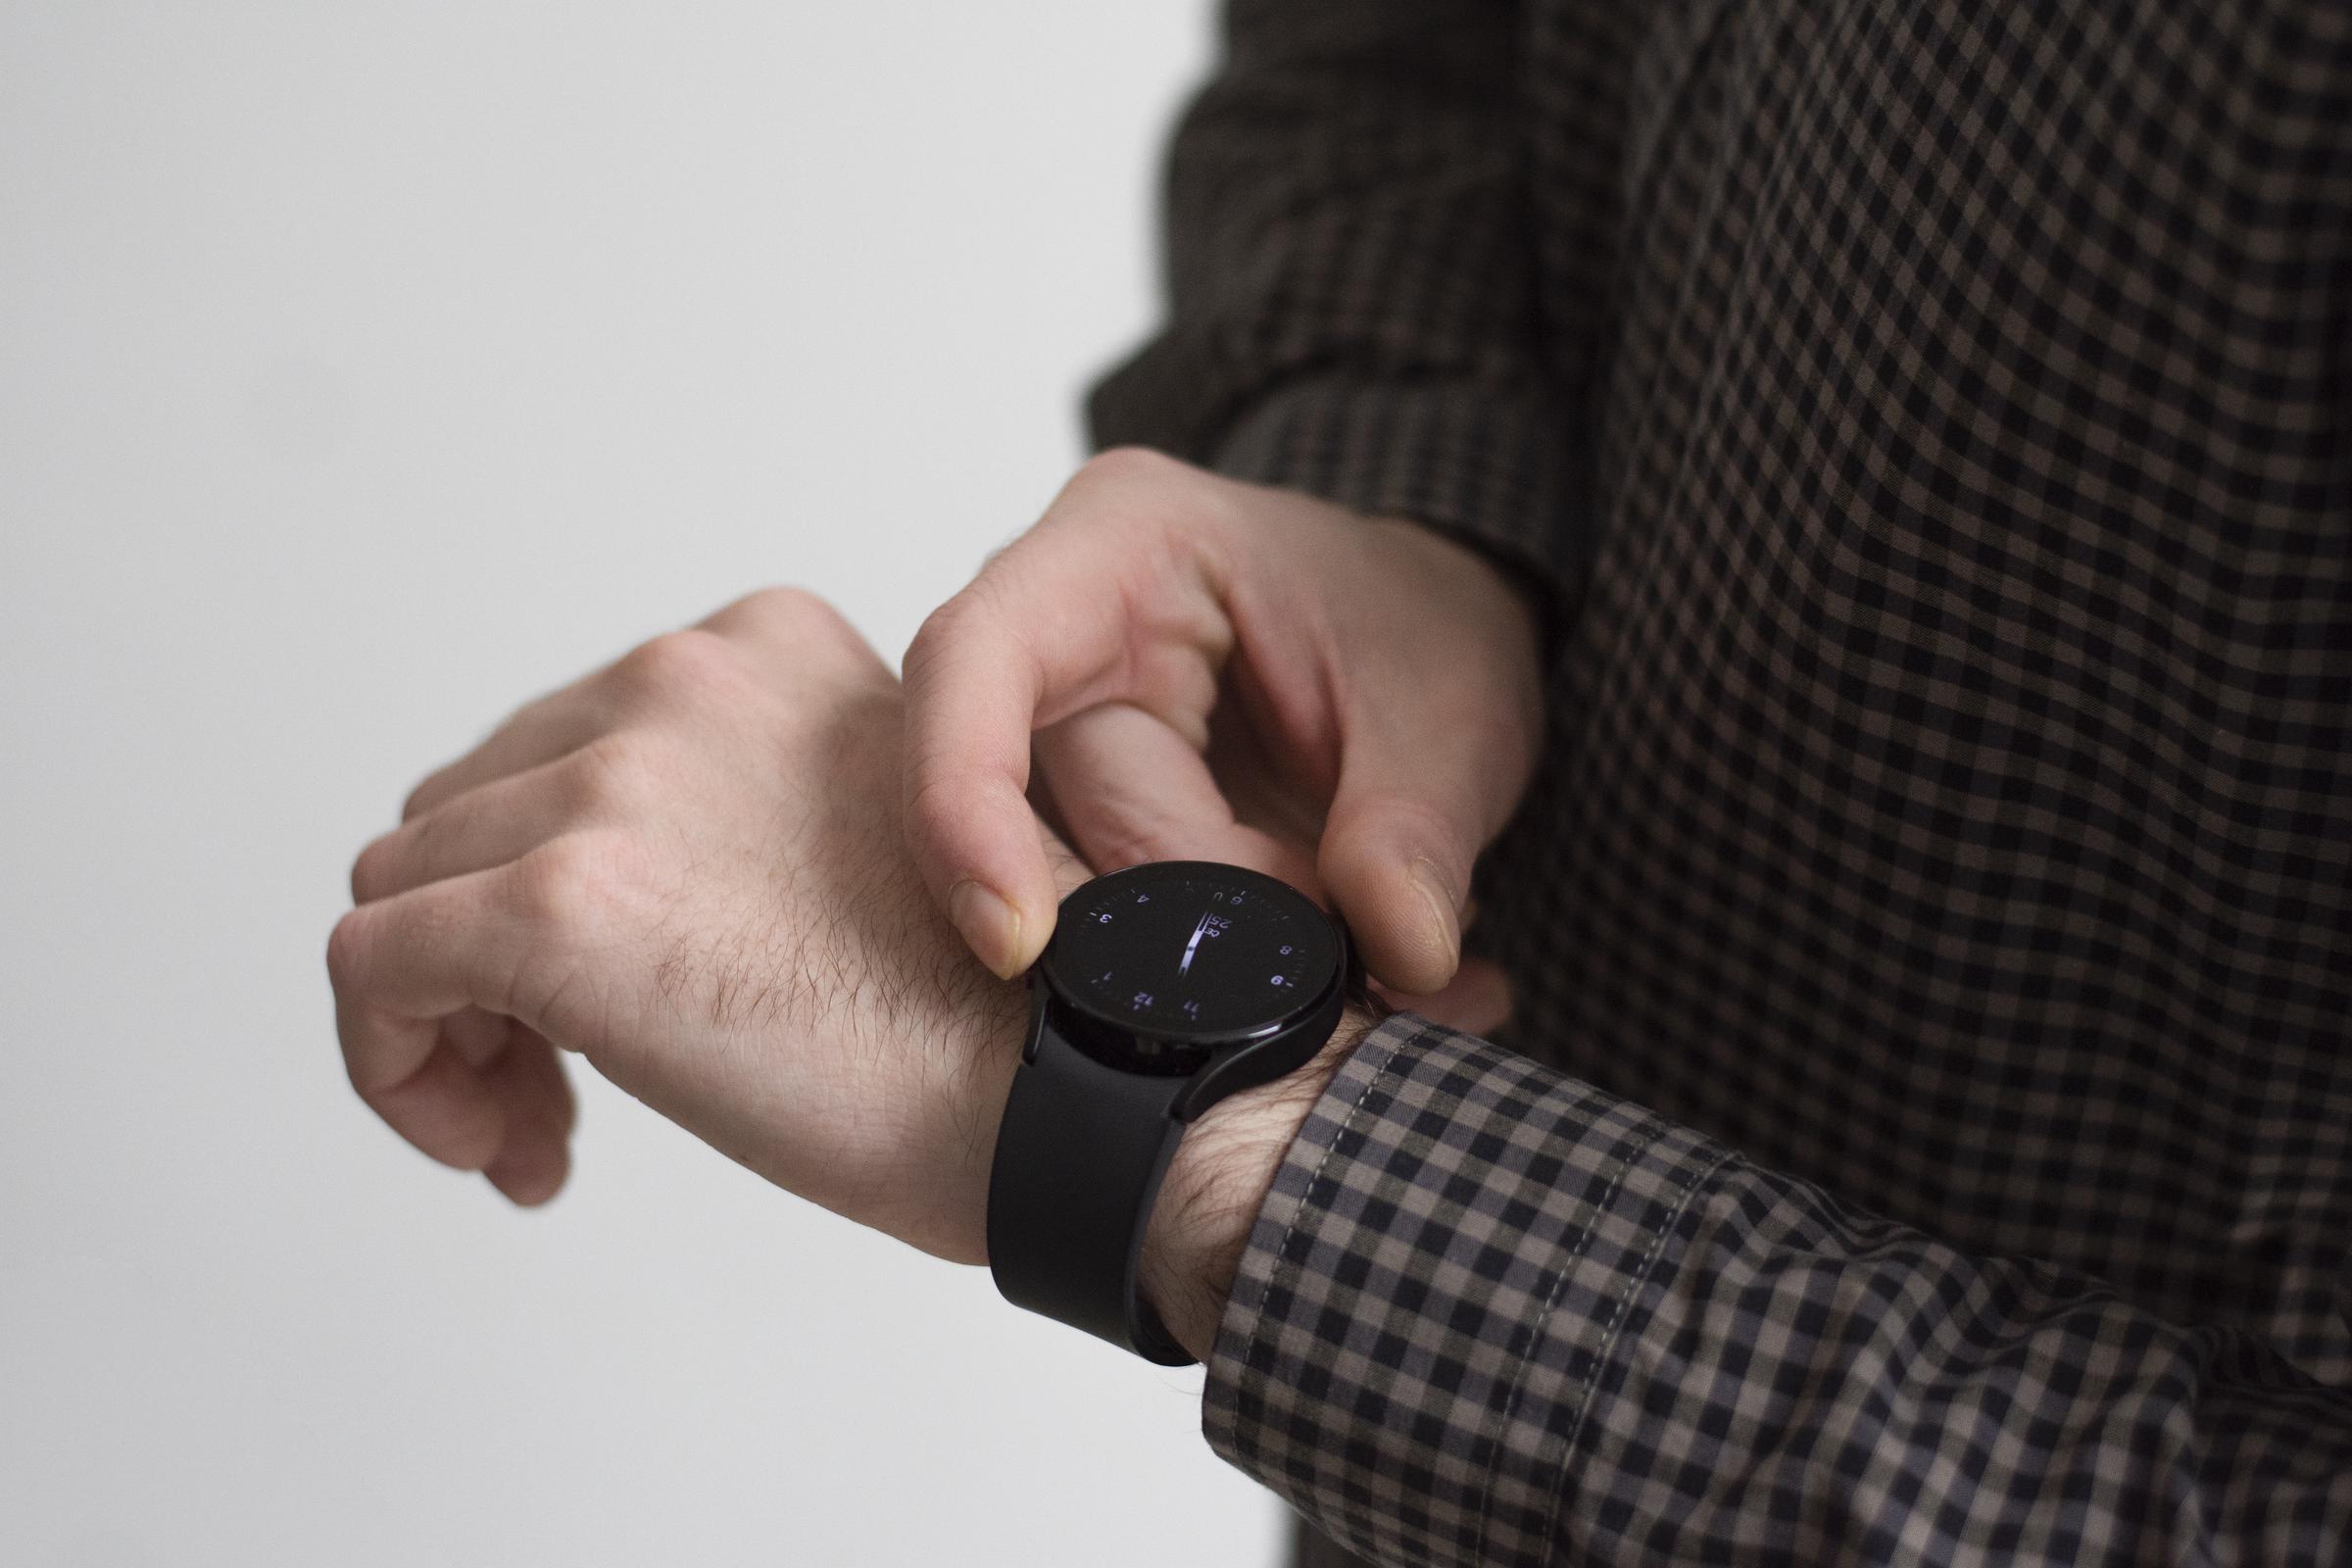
x: 1214, y: 669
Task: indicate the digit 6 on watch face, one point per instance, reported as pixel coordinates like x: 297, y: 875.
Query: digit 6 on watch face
x: 1174, y: 960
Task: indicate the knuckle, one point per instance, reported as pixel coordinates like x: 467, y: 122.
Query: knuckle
x: 944, y: 631
x: 939, y: 811
x: 371, y: 869
x: 676, y: 664
x: 930, y: 793
x: 1391, y: 821
x: 812, y: 620
x: 1006, y: 586
x: 780, y: 601
x: 788, y: 615
x: 1131, y: 465
x: 418, y: 797
x: 552, y: 881
x: 616, y: 769
x: 567, y: 883
x: 1141, y: 493
x: 346, y: 947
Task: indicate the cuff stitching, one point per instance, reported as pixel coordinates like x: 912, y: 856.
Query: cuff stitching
x: 1551, y: 1298
x: 1694, y: 1182
x: 1282, y: 1247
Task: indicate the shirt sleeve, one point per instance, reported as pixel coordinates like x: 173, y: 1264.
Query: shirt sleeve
x: 1491, y: 1315
x: 1351, y: 291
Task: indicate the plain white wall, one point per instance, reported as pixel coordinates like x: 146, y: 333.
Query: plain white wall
x: 366, y: 368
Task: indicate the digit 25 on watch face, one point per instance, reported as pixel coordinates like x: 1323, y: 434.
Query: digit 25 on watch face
x: 1177, y: 958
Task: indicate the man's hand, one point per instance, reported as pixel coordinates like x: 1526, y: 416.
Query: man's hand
x: 688, y: 868
x: 1213, y: 669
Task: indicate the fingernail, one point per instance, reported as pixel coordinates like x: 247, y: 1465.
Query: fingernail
x: 1445, y: 933
x: 991, y: 926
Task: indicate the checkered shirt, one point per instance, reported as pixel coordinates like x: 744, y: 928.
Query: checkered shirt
x: 1924, y: 1134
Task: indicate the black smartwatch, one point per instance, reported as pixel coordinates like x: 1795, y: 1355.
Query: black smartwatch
x: 1165, y: 988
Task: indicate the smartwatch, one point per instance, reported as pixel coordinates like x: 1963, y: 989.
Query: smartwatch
x: 1165, y: 988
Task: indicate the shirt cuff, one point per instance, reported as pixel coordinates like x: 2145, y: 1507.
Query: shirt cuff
x: 1455, y: 1247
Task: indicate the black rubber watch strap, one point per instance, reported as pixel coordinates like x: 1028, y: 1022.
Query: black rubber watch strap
x: 1079, y: 1158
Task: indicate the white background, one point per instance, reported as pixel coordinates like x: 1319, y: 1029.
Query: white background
x: 366, y: 368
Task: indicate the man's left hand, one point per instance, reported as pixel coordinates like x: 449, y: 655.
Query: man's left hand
x: 688, y: 868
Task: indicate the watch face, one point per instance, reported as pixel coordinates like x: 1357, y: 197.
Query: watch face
x: 1187, y: 951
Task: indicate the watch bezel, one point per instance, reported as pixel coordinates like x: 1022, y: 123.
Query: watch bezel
x: 1231, y: 1059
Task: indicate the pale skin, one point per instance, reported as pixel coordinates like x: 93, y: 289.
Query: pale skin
x: 721, y: 869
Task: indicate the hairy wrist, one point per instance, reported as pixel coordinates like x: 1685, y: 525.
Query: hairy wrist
x: 1216, y: 1183
x: 981, y: 1068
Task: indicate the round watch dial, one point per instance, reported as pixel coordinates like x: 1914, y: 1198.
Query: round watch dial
x: 1190, y: 950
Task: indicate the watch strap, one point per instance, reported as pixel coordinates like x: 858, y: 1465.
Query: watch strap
x: 1079, y: 1159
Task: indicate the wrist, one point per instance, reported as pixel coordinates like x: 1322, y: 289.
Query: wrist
x: 1216, y: 1183
x: 977, y: 1085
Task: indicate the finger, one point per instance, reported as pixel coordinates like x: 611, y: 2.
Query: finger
x: 559, y: 722
x: 421, y: 1085
x: 1050, y: 627
x: 534, y: 1158
x: 477, y: 1035
x: 1477, y: 1001
x: 1418, y: 798
x: 1287, y: 801
x: 1130, y: 789
x: 523, y: 1071
x: 973, y: 689
x: 485, y: 827
x: 399, y: 967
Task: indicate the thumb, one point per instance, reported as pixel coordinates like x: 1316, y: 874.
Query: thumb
x: 1415, y: 803
x: 1102, y: 600
x: 973, y: 688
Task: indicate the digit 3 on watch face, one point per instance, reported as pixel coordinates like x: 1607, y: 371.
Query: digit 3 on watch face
x: 1183, y: 954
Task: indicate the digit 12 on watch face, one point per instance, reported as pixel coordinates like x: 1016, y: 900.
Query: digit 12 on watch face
x: 1178, y: 956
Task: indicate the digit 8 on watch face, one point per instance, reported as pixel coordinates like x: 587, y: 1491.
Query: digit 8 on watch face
x: 1177, y: 958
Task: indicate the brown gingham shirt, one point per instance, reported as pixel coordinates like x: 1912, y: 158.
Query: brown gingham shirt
x: 1924, y: 1133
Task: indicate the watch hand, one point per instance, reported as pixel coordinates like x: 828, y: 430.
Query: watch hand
x: 1190, y: 945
